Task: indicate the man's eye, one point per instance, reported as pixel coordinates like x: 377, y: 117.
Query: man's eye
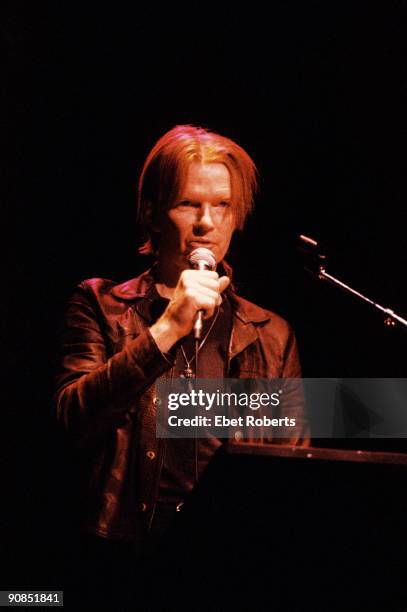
x: 188, y: 203
x: 224, y: 203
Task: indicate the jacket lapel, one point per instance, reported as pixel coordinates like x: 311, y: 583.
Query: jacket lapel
x: 242, y: 335
x: 246, y: 318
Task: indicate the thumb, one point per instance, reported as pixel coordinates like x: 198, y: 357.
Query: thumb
x: 224, y: 282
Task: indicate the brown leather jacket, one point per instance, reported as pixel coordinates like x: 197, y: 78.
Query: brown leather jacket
x: 105, y: 393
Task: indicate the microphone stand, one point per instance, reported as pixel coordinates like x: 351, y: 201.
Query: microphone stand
x: 391, y: 318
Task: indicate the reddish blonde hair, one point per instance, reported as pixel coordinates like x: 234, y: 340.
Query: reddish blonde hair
x: 165, y: 170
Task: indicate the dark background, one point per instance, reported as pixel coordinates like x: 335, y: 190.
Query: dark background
x: 314, y: 91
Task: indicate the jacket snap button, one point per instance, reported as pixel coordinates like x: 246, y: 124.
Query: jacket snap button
x: 157, y: 401
x: 142, y: 507
x: 150, y: 454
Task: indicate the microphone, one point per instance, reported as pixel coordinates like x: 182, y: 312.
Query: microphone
x: 201, y: 259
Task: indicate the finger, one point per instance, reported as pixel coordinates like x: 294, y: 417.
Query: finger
x: 208, y: 273
x: 206, y: 302
x: 208, y: 313
x: 201, y: 297
x: 198, y: 281
x: 200, y: 273
x: 197, y: 294
x: 207, y: 292
x: 209, y: 283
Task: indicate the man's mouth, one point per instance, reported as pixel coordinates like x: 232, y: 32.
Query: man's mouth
x: 201, y: 243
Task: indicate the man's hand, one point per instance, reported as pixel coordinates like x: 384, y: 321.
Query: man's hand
x: 196, y: 290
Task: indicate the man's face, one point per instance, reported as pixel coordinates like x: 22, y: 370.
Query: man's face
x: 202, y: 215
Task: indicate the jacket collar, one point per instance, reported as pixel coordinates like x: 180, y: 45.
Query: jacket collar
x: 134, y: 288
x: 139, y: 287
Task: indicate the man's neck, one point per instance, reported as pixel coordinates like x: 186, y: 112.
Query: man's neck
x: 167, y: 277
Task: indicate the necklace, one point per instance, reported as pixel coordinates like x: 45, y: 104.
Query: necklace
x: 188, y: 372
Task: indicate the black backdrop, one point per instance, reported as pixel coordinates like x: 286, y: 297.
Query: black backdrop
x: 315, y: 92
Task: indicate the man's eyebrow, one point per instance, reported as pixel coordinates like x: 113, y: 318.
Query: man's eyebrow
x: 218, y: 198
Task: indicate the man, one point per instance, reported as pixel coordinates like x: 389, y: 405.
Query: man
x: 195, y: 190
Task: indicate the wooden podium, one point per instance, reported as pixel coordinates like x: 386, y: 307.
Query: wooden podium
x: 280, y: 528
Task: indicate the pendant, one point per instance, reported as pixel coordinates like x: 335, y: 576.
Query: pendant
x: 188, y: 373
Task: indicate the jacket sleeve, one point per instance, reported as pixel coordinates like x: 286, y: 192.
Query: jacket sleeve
x: 95, y: 393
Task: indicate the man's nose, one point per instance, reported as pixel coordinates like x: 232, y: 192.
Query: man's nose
x: 204, y: 221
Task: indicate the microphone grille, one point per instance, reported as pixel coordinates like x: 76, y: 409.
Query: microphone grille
x: 202, y: 256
